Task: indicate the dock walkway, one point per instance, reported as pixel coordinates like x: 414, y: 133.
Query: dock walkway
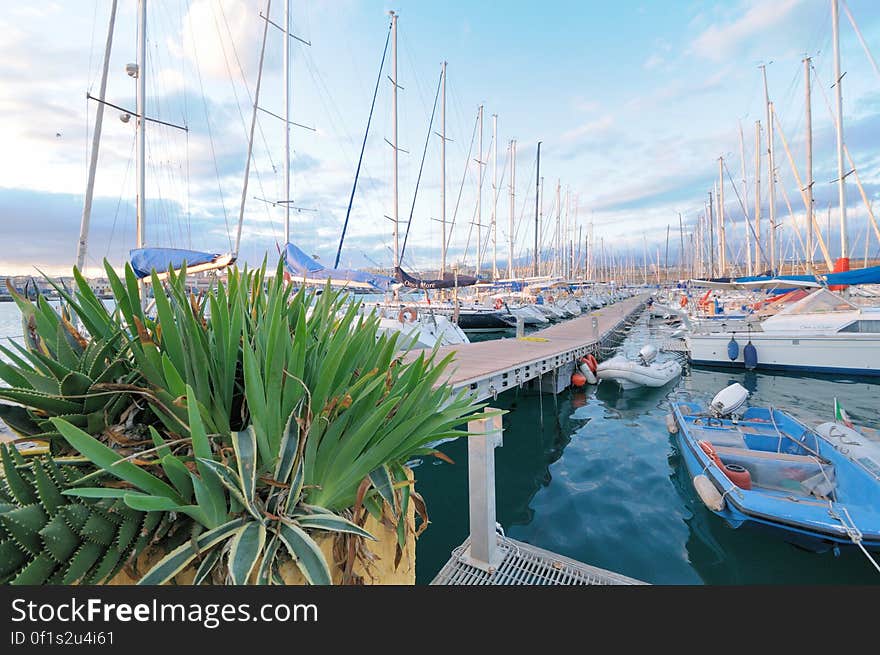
x: 488, y: 368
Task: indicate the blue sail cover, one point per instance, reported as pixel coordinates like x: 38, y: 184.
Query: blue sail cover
x: 869, y: 275
x: 301, y: 266
x: 146, y: 260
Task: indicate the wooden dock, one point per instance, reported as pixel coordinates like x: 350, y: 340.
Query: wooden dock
x: 488, y: 368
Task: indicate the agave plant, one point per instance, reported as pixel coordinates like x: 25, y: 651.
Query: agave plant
x: 269, y: 415
x: 49, y: 538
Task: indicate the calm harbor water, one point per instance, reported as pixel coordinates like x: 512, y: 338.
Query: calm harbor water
x: 595, y: 476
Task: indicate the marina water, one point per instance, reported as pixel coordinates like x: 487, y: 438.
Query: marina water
x: 595, y: 476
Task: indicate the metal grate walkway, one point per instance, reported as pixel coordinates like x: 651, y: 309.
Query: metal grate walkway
x: 674, y: 346
x: 525, y: 564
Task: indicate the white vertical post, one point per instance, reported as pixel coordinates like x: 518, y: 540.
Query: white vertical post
x: 486, y: 435
x: 480, y: 198
x: 809, y: 151
x: 394, y: 106
x: 722, y: 236
x: 96, y: 143
x: 141, y: 123
x: 758, y: 196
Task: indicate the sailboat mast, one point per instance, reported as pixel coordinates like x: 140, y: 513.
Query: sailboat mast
x: 758, y: 195
x: 771, y: 171
x: 537, y: 194
x: 841, y: 178
x: 394, y: 146
x: 745, y: 195
x: 512, y: 208
x: 247, y: 165
x: 809, y: 148
x: 141, y: 123
x: 287, y: 121
x: 443, y: 174
x: 494, y: 196
x: 480, y: 198
x: 82, y: 244
x: 722, y: 236
x: 710, y: 217
x: 556, y: 259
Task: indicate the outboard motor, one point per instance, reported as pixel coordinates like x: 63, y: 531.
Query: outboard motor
x: 729, y: 400
x: 648, y: 354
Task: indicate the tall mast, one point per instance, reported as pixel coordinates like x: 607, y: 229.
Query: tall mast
x: 287, y: 198
x: 809, y: 148
x: 96, y: 143
x: 537, y: 193
x: 494, y: 196
x: 247, y: 165
x: 512, y: 203
x: 771, y: 170
x: 711, y: 219
x: 841, y: 179
x: 141, y: 123
x: 742, y: 160
x: 443, y: 174
x: 558, y: 256
x: 480, y: 198
x: 722, y: 236
x: 394, y: 146
x: 758, y: 195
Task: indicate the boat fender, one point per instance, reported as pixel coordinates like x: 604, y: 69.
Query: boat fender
x: 671, y: 424
x: 708, y: 493
x: 683, y: 302
x: 499, y: 303
x: 588, y: 374
x: 732, y: 349
x: 739, y: 475
x: 408, y: 311
x: 750, y: 356
x: 578, y: 379
x: 591, y: 362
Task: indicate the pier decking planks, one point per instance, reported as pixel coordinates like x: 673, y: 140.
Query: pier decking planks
x: 489, y: 367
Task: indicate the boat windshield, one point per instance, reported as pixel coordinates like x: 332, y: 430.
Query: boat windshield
x: 821, y: 301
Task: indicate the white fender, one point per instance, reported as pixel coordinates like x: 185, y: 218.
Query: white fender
x: 708, y: 493
x: 587, y: 373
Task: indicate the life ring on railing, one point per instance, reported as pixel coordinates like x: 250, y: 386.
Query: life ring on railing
x: 408, y: 311
x: 707, y: 448
x: 683, y: 302
x: 499, y: 303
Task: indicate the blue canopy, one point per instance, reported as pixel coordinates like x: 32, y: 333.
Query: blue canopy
x: 146, y: 260
x: 302, y: 267
x: 869, y: 275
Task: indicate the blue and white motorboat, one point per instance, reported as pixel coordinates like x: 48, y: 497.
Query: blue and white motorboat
x: 763, y: 467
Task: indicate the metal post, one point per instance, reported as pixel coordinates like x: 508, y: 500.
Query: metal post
x: 394, y: 107
x: 537, y: 192
x: 287, y: 198
x: 771, y: 171
x: 96, y: 143
x: 809, y: 148
x: 141, y: 136
x: 486, y: 435
x: 480, y: 198
x: 722, y: 246
x: 758, y: 196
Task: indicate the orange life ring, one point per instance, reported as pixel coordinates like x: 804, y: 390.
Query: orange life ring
x: 591, y: 363
x: 710, y: 451
x: 408, y: 311
x: 499, y: 303
x: 683, y: 302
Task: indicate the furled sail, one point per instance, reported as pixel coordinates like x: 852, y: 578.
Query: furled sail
x: 146, y: 260
x: 446, y: 282
x: 304, y: 269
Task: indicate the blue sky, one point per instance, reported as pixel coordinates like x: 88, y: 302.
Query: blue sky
x: 633, y: 101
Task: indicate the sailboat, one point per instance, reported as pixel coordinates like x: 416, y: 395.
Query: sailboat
x: 144, y: 260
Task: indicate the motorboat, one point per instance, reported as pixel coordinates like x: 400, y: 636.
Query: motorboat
x: 645, y: 372
x: 820, y: 333
x: 761, y: 466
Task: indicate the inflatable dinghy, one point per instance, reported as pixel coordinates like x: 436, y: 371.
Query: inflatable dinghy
x: 644, y: 373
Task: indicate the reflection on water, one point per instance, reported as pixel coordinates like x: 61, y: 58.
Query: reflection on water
x: 600, y: 481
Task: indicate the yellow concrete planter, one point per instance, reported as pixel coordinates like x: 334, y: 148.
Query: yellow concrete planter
x: 381, y: 571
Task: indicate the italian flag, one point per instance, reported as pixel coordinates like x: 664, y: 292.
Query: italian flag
x: 840, y: 415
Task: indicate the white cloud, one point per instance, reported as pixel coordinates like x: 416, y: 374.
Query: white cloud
x: 591, y: 128
x: 719, y: 40
x: 215, y: 32
x: 653, y: 62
